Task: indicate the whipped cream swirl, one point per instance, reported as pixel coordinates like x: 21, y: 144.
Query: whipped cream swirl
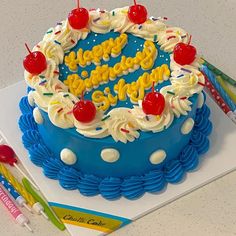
x: 44, y: 93
x: 60, y: 110
x: 171, y: 36
x: 151, y: 122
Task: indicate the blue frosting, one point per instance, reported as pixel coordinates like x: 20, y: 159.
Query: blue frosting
x: 89, y: 184
x: 154, y: 181
x: 203, y: 125
x: 38, y: 153
x: 189, y: 158
x: 174, y: 171
x: 30, y: 138
x: 52, y: 168
x: 132, y: 188
x: 69, y: 178
x: 199, y: 141
x: 110, y: 188
x: 25, y: 106
x: 27, y: 122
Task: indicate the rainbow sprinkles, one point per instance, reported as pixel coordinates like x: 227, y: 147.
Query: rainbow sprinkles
x: 123, y: 124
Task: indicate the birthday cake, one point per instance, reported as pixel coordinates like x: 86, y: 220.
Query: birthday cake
x: 115, y: 103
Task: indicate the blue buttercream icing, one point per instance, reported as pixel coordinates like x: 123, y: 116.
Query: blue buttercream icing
x: 174, y: 171
x: 30, y: 138
x: 154, y: 181
x: 25, y: 106
x: 52, y: 168
x: 27, y: 122
x: 205, y: 111
x: 38, y: 153
x: 132, y: 188
x: 189, y: 158
x: 199, y: 141
x: 89, y: 184
x: 110, y: 188
x: 203, y: 125
x: 69, y: 178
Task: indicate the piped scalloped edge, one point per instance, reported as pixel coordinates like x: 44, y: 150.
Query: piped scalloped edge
x: 112, y: 188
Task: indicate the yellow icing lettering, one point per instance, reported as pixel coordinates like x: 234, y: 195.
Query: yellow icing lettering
x: 150, y: 51
x: 102, y: 101
x: 75, y: 84
x: 121, y: 88
x: 98, y: 52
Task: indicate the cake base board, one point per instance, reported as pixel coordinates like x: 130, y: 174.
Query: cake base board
x: 218, y: 161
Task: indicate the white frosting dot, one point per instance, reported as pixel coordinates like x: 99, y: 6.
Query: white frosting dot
x: 110, y: 155
x: 68, y: 157
x: 37, y: 116
x: 157, y: 157
x: 200, y: 100
x: 187, y: 126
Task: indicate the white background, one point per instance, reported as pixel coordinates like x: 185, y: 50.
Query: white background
x: 208, y: 211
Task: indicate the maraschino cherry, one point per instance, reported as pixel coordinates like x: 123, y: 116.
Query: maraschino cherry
x: 84, y: 110
x: 153, y: 103
x: 35, y: 63
x: 185, y: 54
x: 78, y: 17
x: 137, y: 13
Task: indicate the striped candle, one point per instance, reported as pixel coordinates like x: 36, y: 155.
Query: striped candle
x: 218, y: 87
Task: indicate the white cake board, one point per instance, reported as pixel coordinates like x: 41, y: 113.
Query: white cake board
x: 219, y: 161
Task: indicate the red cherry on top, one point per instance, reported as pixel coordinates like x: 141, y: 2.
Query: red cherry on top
x: 35, y: 63
x: 137, y: 13
x: 7, y: 155
x: 78, y: 18
x: 84, y: 111
x: 185, y: 54
x: 153, y: 103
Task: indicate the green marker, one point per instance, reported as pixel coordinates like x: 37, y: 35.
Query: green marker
x: 47, y: 209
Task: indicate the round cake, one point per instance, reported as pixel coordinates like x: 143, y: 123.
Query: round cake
x: 115, y: 103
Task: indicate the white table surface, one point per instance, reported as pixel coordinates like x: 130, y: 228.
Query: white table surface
x: 210, y: 210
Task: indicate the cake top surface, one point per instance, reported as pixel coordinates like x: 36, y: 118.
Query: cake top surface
x: 115, y: 77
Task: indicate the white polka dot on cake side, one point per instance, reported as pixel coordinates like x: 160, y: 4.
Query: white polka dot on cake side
x: 68, y: 157
x: 37, y: 116
x: 201, y: 100
x: 187, y: 126
x: 157, y: 157
x: 110, y: 155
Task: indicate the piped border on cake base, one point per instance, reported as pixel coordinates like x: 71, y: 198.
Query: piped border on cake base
x: 112, y: 188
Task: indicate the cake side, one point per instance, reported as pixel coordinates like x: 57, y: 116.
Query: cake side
x: 104, y: 157
x: 112, y: 187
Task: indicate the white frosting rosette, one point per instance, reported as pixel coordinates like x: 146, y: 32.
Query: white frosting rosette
x: 64, y: 35
x: 151, y: 122
x: 171, y: 36
x: 93, y: 129
x: 60, y: 109
x: 187, y: 84
x: 44, y: 93
x: 122, y: 125
x: 177, y: 104
x: 51, y: 50
x: 100, y: 23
